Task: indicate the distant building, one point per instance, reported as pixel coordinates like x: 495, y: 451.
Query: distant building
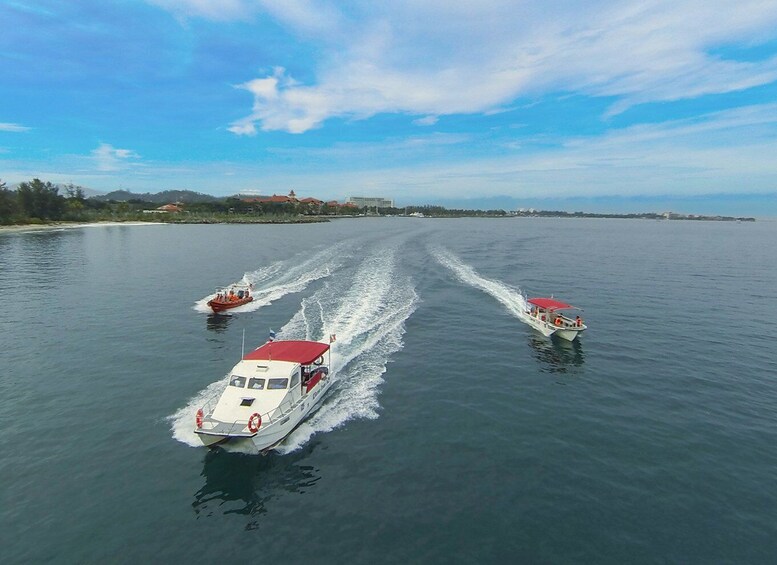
x: 369, y: 202
x: 166, y: 209
x: 274, y: 199
x: 170, y: 208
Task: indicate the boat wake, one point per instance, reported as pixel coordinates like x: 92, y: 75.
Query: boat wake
x: 512, y: 298
x: 369, y: 321
x: 182, y: 421
x: 281, y: 278
x: 367, y: 311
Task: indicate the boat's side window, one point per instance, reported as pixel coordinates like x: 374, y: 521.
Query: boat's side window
x: 239, y: 382
x: 295, y: 379
x: 277, y: 384
x: 256, y: 384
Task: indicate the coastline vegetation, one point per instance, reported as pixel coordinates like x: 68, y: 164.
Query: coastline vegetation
x: 37, y: 202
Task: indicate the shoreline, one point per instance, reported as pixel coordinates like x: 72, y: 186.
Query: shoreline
x: 27, y: 228
x: 21, y: 228
x: 68, y: 225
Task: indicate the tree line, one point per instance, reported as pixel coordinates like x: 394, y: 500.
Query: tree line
x: 40, y: 201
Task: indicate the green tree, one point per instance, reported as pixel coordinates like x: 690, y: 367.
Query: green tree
x: 40, y: 200
x: 9, y: 208
x: 76, y: 201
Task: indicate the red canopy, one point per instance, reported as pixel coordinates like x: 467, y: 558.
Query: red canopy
x: 303, y: 352
x: 550, y: 304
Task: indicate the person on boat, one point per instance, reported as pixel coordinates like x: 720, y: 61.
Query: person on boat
x: 558, y: 321
x: 239, y: 294
x: 578, y: 321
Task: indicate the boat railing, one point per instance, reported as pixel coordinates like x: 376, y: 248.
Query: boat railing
x: 240, y: 427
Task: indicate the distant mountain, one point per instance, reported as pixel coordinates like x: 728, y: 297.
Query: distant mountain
x: 164, y: 197
x: 706, y: 204
x: 88, y: 192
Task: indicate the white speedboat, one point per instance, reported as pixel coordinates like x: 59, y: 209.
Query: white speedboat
x: 545, y: 317
x: 269, y: 392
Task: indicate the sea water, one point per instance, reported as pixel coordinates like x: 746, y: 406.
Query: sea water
x: 454, y: 432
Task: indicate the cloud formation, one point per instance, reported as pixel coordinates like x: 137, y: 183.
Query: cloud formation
x: 108, y: 158
x: 433, y: 57
x: 4, y: 126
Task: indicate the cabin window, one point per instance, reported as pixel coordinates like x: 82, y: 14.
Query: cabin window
x: 256, y: 384
x: 237, y: 381
x: 295, y: 379
x: 277, y: 384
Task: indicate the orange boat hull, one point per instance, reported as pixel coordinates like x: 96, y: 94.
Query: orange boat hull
x: 220, y: 306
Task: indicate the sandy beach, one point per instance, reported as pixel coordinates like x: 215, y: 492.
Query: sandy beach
x: 68, y: 225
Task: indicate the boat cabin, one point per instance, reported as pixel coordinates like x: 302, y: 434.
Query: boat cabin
x: 549, y: 311
x: 270, y: 378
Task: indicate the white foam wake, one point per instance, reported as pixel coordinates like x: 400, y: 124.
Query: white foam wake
x: 367, y: 312
x: 182, y: 421
x: 281, y: 278
x: 368, y: 318
x: 512, y: 298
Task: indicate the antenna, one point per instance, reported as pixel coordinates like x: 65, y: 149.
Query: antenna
x: 243, y: 348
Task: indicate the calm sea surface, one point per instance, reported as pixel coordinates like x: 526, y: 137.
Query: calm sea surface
x: 454, y: 433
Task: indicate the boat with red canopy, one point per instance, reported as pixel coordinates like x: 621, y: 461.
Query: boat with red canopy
x: 545, y: 316
x: 268, y: 393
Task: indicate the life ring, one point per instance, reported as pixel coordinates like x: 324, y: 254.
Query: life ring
x: 254, y: 422
x: 319, y: 361
x: 198, y: 418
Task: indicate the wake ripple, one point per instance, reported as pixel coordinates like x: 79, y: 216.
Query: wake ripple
x: 369, y: 321
x: 281, y: 278
x: 512, y: 298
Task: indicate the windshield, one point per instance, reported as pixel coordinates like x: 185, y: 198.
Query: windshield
x: 277, y: 384
x: 256, y: 384
x: 237, y: 381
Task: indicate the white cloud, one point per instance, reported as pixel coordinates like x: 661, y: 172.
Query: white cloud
x: 222, y: 10
x: 435, y: 57
x: 12, y: 127
x: 426, y: 121
x: 108, y: 158
x: 722, y: 152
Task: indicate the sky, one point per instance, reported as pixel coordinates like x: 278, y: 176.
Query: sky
x: 606, y: 104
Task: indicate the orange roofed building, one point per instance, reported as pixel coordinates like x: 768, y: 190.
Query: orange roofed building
x: 274, y: 199
x: 170, y: 208
x: 292, y: 199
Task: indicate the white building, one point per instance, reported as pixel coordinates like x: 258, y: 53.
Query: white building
x: 370, y: 202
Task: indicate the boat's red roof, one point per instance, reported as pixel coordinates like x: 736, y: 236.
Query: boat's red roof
x: 550, y: 304
x: 303, y: 352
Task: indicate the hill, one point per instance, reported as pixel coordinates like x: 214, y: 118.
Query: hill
x: 164, y: 197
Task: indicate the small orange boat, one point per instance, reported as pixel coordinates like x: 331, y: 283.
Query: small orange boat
x: 228, y: 299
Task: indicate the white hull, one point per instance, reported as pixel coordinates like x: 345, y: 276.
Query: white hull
x: 568, y: 333
x: 274, y: 433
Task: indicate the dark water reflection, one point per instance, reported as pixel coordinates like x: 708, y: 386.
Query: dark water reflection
x: 46, y: 259
x: 237, y: 483
x: 557, y: 355
x: 218, y: 322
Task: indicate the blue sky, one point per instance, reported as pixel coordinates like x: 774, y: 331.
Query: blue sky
x: 418, y: 100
